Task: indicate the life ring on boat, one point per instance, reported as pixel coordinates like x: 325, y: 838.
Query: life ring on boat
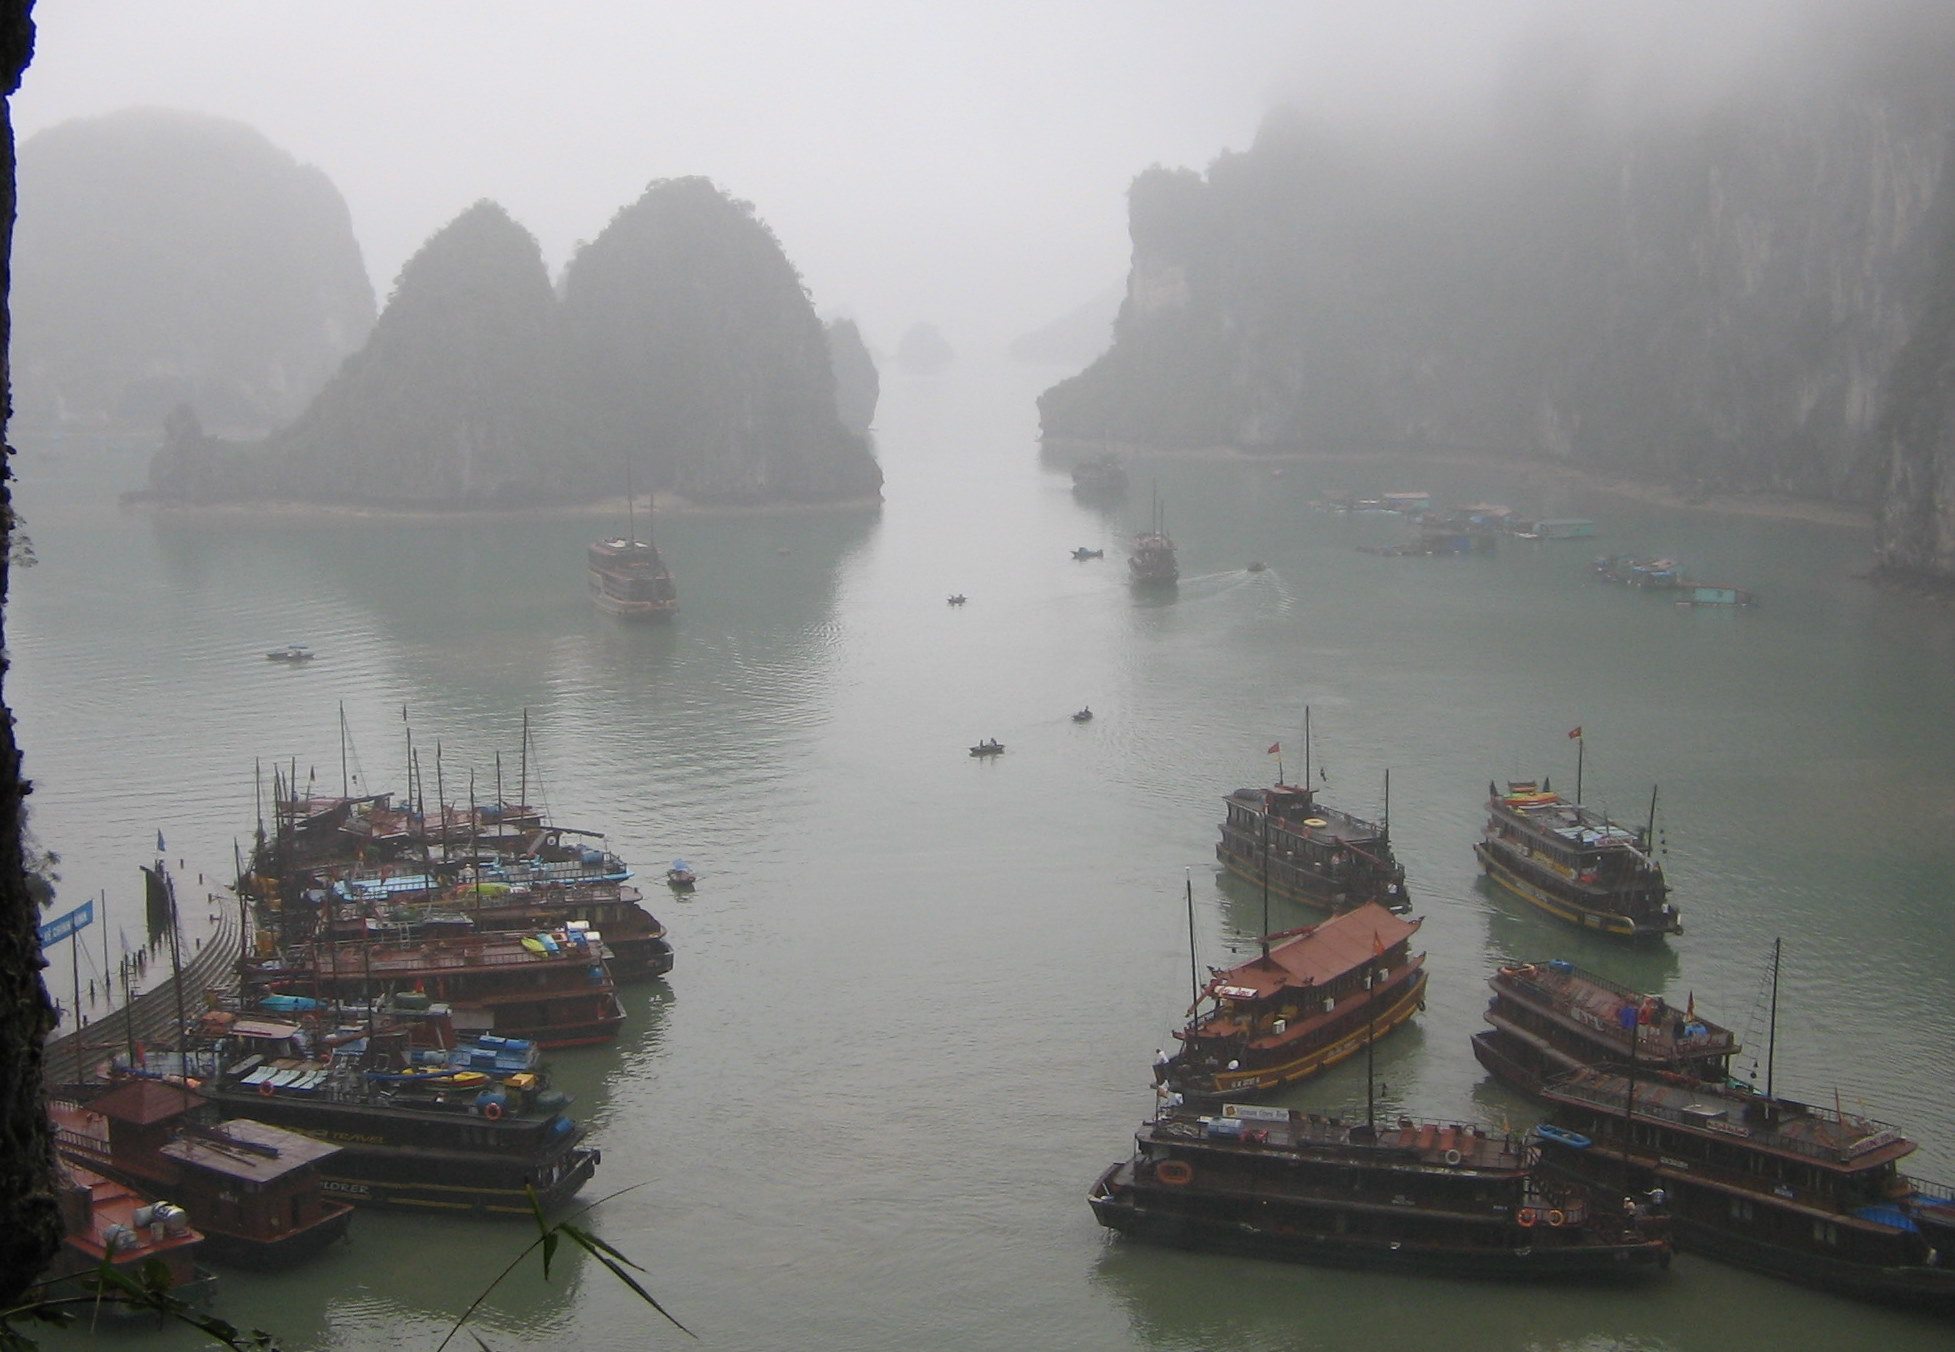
x: 1526, y: 1217
x: 1557, y: 1219
x: 1174, y: 1173
x: 265, y: 1088
x: 493, y: 1111
x: 1451, y: 1157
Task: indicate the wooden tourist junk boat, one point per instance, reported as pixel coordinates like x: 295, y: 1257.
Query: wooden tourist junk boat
x: 1152, y: 562
x: 1550, y: 1018
x: 1310, y: 999
x: 1100, y: 477
x: 1574, y: 863
x: 549, y: 987
x: 627, y: 576
x: 255, y: 1189
x: 413, y: 1135
x: 1414, y: 1198
x: 1303, y: 849
x: 1802, y: 1192
x: 105, y: 1220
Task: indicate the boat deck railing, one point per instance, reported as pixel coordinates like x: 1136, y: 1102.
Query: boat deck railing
x: 1655, y: 1039
x: 1857, y: 1136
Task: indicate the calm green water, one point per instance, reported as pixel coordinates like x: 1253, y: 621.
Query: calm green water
x: 916, y: 993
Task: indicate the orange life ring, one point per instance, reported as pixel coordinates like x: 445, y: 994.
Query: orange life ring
x: 265, y: 1088
x: 1556, y: 1219
x: 1174, y: 1173
x: 493, y: 1111
x: 1526, y: 1217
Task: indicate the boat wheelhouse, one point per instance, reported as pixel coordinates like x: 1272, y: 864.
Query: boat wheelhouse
x: 1306, y: 850
x: 1807, y: 1193
x: 629, y: 579
x: 1414, y: 1198
x: 1312, y: 998
x: 1550, y: 1018
x: 1574, y: 863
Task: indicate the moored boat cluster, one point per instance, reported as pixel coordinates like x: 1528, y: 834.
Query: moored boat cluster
x: 401, y: 975
x: 1646, y: 1142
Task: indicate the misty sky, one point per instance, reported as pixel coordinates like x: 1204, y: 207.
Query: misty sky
x: 963, y: 163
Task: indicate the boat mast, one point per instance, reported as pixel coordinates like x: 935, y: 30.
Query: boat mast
x: 1649, y: 836
x: 1370, y: 1039
x: 1194, y: 979
x: 631, y: 502
x: 1265, y: 881
x: 344, y: 791
x: 1306, y: 746
x: 1581, y: 746
x: 1387, y: 823
x: 522, y: 782
x: 1772, y: 1036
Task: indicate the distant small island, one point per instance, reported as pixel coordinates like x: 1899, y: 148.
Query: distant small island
x: 680, y: 353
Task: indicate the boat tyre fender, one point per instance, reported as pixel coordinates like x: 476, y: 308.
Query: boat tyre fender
x: 493, y: 1111
x: 265, y: 1088
x: 1174, y: 1173
x: 1526, y: 1217
x: 1556, y: 1219
x: 1451, y: 1157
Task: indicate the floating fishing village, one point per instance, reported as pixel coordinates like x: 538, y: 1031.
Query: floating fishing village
x: 368, y: 1030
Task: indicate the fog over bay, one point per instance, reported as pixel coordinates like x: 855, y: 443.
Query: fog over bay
x: 960, y: 164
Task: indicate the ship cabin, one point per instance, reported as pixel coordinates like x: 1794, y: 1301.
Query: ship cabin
x: 1314, y: 852
x: 1787, y: 1186
x: 1581, y: 845
x: 1556, y: 1017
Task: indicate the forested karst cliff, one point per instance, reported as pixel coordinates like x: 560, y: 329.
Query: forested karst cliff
x: 680, y: 355
x: 1713, y: 291
x: 168, y: 257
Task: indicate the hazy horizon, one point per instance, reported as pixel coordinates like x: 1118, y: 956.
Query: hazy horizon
x: 965, y: 167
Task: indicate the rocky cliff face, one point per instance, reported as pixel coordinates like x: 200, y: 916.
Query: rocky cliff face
x: 1717, y: 293
x: 691, y: 350
x: 167, y: 257
x: 858, y: 385
x: 682, y: 356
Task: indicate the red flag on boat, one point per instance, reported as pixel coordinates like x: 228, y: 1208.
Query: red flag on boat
x: 1275, y: 749
x: 1574, y: 732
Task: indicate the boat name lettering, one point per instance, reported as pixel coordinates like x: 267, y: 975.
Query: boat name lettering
x: 1873, y: 1142
x: 1235, y: 992
x: 1673, y: 1164
x: 363, y: 1138
x: 347, y: 1189
x: 1251, y: 1112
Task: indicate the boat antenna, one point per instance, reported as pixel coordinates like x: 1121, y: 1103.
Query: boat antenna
x: 1581, y: 746
x: 1194, y: 979
x: 1772, y: 1036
